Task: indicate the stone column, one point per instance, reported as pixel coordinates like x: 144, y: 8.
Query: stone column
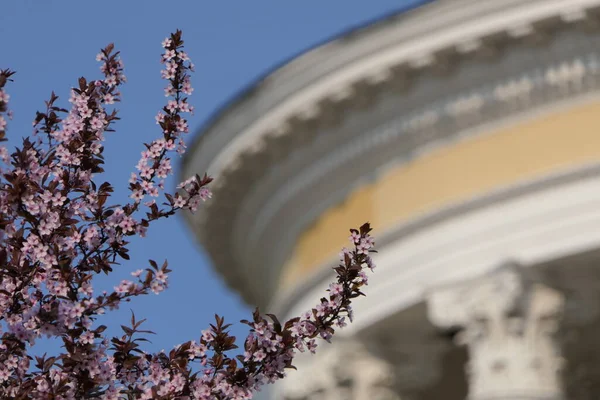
x: 344, y: 370
x: 508, y: 323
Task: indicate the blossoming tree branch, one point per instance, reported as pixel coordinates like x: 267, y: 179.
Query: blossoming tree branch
x: 58, y: 230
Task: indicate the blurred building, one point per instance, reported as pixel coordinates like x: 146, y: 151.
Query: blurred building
x: 468, y: 133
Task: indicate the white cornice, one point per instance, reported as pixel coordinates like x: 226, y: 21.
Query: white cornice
x: 531, y: 229
x: 303, y: 95
x: 465, y: 22
x: 567, y: 73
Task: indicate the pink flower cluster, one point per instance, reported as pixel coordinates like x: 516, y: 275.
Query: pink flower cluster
x: 58, y: 231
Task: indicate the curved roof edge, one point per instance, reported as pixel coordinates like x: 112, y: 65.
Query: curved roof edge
x: 319, y: 77
x: 247, y: 90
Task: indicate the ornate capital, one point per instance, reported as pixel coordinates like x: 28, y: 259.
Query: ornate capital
x: 342, y: 371
x: 508, y: 323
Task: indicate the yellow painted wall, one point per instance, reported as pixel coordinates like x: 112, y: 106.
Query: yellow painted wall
x: 453, y: 173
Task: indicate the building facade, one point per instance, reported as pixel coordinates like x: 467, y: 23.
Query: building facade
x: 468, y: 133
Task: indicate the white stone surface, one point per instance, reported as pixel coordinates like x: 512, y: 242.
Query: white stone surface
x: 508, y: 324
x: 549, y: 223
x: 343, y: 370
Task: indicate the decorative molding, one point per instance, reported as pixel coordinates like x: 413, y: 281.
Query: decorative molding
x: 374, y: 145
x: 239, y: 180
x: 560, y: 74
x: 508, y: 323
x: 532, y: 228
x: 343, y: 370
x: 284, y: 301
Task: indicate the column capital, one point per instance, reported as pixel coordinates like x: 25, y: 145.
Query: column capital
x: 508, y: 322
x: 343, y: 370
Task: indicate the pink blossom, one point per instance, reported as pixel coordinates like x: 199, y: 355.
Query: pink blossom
x: 61, y: 231
x: 169, y: 54
x: 109, y: 98
x: 137, y: 273
x: 179, y: 202
x: 172, y: 106
x: 166, y: 43
x: 137, y: 195
x: 87, y: 338
x: 336, y: 289
x: 183, y: 56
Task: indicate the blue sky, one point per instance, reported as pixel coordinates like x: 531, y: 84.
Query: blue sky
x: 53, y: 42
